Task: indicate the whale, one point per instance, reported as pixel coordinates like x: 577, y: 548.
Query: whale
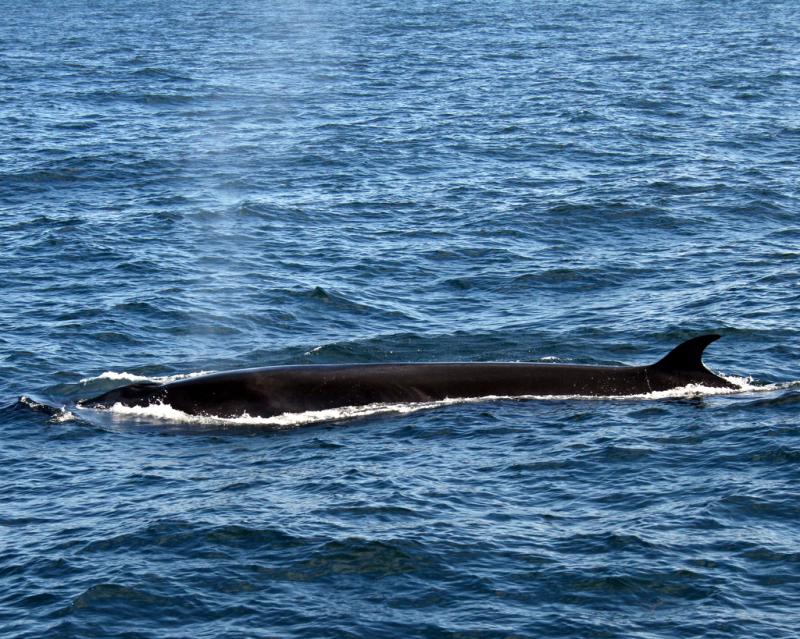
x: 276, y: 390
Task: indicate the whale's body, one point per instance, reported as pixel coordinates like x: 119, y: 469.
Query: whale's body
x: 266, y: 392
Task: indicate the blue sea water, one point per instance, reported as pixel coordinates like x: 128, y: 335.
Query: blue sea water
x: 201, y: 186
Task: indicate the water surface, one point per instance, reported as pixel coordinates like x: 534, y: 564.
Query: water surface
x: 198, y: 186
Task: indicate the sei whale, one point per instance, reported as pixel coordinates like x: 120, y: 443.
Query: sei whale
x: 275, y: 390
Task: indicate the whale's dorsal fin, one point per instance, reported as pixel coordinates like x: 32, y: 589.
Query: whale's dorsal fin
x: 687, y: 356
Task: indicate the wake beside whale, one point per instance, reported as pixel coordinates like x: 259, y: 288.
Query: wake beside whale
x: 276, y: 390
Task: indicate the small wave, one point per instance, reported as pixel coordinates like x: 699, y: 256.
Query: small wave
x: 746, y: 384
x: 133, y: 377
x: 63, y: 415
x: 57, y: 413
x: 35, y: 404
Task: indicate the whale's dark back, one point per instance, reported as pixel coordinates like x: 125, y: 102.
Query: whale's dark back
x: 275, y: 390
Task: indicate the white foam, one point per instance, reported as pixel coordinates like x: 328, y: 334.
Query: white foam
x: 745, y: 384
x: 132, y: 377
x: 63, y: 415
x: 165, y: 412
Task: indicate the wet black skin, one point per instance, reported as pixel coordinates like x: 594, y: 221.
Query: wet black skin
x: 265, y: 392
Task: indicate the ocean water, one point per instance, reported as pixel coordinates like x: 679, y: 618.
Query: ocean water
x: 201, y: 186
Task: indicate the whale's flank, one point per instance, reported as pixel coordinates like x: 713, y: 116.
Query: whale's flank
x: 271, y: 391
